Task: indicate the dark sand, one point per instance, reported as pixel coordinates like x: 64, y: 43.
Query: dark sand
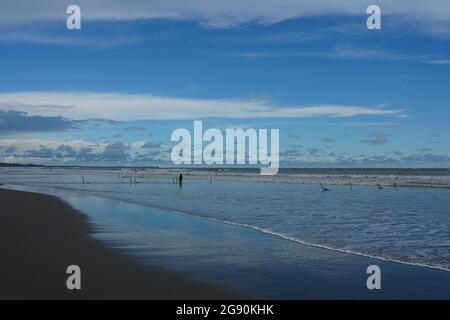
x: 40, y: 236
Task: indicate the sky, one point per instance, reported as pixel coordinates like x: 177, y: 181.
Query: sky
x: 112, y: 93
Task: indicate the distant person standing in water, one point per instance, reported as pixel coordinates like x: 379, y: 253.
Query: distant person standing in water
x: 180, y: 179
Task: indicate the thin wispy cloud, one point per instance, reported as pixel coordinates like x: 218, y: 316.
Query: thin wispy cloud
x: 341, y: 51
x: 375, y: 138
x: 439, y: 62
x: 347, y: 52
x: 135, y: 128
x: 41, y: 37
x: 351, y: 52
x: 434, y: 135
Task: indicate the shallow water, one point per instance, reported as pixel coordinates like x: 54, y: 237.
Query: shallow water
x: 406, y: 225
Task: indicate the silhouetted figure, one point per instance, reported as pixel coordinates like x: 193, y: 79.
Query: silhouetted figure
x: 351, y: 187
x: 180, y: 179
x: 82, y: 178
x: 324, y: 189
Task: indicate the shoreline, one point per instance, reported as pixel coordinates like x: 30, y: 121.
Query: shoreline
x: 266, y: 232
x: 408, y: 179
x: 40, y: 236
x: 291, y: 270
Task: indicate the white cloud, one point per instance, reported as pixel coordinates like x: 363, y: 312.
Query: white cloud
x: 135, y: 146
x: 127, y: 107
x: 217, y: 13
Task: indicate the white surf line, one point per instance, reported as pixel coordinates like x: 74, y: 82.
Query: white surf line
x: 289, y: 238
x: 264, y: 231
x: 309, y: 244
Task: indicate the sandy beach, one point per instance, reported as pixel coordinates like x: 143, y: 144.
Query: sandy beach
x: 40, y: 236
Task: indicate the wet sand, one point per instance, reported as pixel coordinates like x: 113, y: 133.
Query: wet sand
x: 40, y: 236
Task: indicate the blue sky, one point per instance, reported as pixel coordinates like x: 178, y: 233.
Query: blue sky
x: 112, y: 92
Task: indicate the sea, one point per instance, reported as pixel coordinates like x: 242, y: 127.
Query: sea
x: 209, y: 224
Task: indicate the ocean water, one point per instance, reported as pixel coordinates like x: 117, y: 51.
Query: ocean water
x: 403, y: 225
